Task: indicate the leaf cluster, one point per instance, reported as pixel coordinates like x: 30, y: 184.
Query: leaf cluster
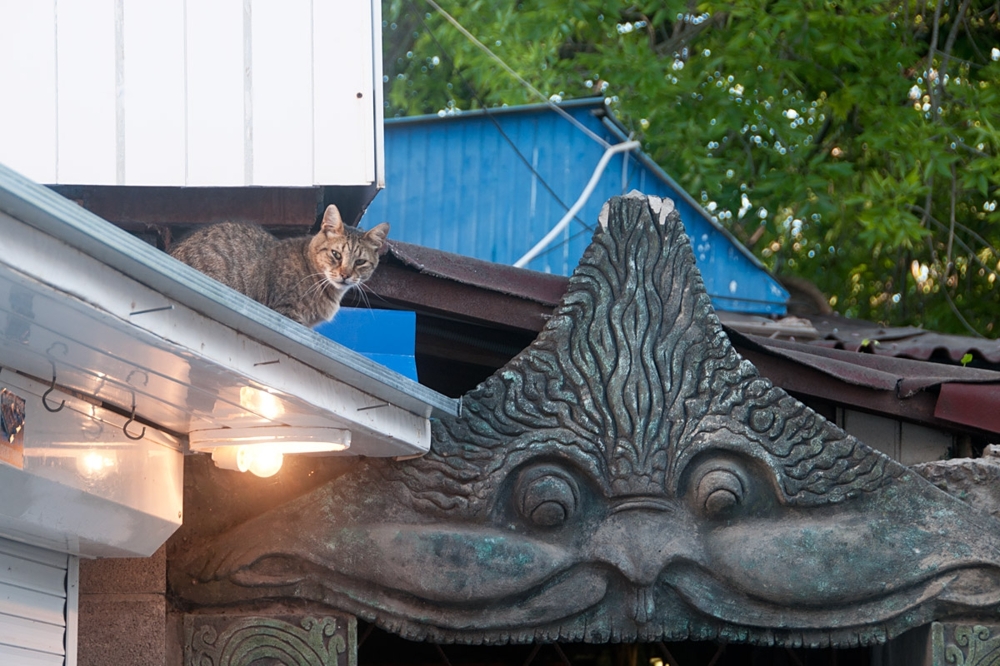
x: 855, y: 143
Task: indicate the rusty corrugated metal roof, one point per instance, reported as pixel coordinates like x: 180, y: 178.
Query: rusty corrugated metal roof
x: 968, y: 404
x: 904, y: 342
x: 824, y: 360
x: 531, y: 285
x: 905, y: 377
x: 832, y: 331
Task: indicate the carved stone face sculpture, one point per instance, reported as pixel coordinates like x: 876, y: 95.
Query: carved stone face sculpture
x: 627, y: 477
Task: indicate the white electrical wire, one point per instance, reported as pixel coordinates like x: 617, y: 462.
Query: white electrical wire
x: 584, y: 196
x: 535, y: 91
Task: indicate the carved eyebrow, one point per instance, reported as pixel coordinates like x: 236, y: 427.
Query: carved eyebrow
x: 721, y: 434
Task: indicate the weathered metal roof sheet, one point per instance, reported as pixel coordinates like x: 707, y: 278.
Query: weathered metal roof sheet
x: 905, y: 342
x: 491, y: 184
x: 541, y: 287
x: 507, y: 298
x: 904, y: 377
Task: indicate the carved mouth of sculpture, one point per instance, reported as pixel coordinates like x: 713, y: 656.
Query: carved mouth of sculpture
x: 564, y: 594
x: 707, y: 594
x: 509, y: 583
x: 572, y: 592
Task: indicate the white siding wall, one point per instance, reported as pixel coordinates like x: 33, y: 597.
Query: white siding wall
x: 37, y: 594
x: 191, y: 92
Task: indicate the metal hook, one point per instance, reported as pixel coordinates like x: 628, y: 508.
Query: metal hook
x: 130, y: 420
x: 145, y: 381
x: 57, y: 343
x: 45, y: 397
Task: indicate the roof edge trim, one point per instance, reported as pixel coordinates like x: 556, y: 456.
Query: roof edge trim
x: 56, y: 216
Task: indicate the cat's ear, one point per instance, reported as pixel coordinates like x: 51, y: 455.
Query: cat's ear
x: 378, y: 233
x: 331, y: 221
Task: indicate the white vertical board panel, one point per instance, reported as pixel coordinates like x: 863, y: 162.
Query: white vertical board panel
x: 344, y: 94
x: 37, y: 606
x: 72, y: 610
x: 175, y: 92
x: 33, y: 605
x: 12, y: 655
x: 28, y: 82
x: 153, y: 35
x: 378, y: 104
x: 87, y: 96
x: 281, y: 72
x: 214, y: 70
x: 40, y: 636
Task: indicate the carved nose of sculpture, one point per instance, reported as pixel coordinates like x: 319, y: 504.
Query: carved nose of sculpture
x: 642, y: 542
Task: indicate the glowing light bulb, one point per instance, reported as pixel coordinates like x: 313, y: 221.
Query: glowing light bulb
x: 260, y: 460
x: 261, y: 449
x: 231, y: 457
x: 264, y: 461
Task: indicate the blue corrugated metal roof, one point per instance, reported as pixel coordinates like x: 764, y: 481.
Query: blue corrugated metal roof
x: 385, y: 336
x: 457, y: 183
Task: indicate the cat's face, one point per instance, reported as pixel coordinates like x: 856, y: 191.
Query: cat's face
x: 346, y: 256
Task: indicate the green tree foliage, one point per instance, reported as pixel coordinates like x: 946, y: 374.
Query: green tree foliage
x: 855, y: 143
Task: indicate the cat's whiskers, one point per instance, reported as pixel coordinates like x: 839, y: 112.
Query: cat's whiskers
x: 315, y: 287
x: 363, y: 295
x: 367, y: 290
x: 321, y: 275
x: 318, y: 285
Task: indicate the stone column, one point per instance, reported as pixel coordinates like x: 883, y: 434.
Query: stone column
x: 123, y: 611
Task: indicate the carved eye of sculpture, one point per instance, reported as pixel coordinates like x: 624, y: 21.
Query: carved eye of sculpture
x: 719, y: 491
x: 546, y: 496
x: 719, y: 487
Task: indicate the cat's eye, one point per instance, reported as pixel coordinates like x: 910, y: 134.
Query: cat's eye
x: 360, y: 262
x: 336, y: 255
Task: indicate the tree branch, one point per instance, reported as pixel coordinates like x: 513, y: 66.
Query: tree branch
x: 986, y: 243
x: 820, y: 137
x: 951, y: 227
x: 954, y: 309
x: 972, y: 41
x: 684, y: 35
x: 932, y: 87
x: 950, y: 42
x: 947, y: 296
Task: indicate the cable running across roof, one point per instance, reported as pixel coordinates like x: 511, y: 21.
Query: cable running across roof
x: 587, y: 227
x: 576, y: 123
x: 496, y: 123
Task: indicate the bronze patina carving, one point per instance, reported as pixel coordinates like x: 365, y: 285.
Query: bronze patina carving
x: 253, y: 640
x: 628, y: 477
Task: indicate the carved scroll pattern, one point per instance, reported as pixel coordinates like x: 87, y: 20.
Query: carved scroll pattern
x: 973, y: 647
x: 266, y: 641
x: 633, y: 371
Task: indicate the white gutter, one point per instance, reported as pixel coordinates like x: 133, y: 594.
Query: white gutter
x: 43, y: 210
x: 625, y: 146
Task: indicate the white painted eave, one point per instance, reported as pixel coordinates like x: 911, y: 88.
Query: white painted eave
x: 214, y: 342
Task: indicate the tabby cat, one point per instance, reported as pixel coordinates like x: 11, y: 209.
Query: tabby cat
x: 303, y: 278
